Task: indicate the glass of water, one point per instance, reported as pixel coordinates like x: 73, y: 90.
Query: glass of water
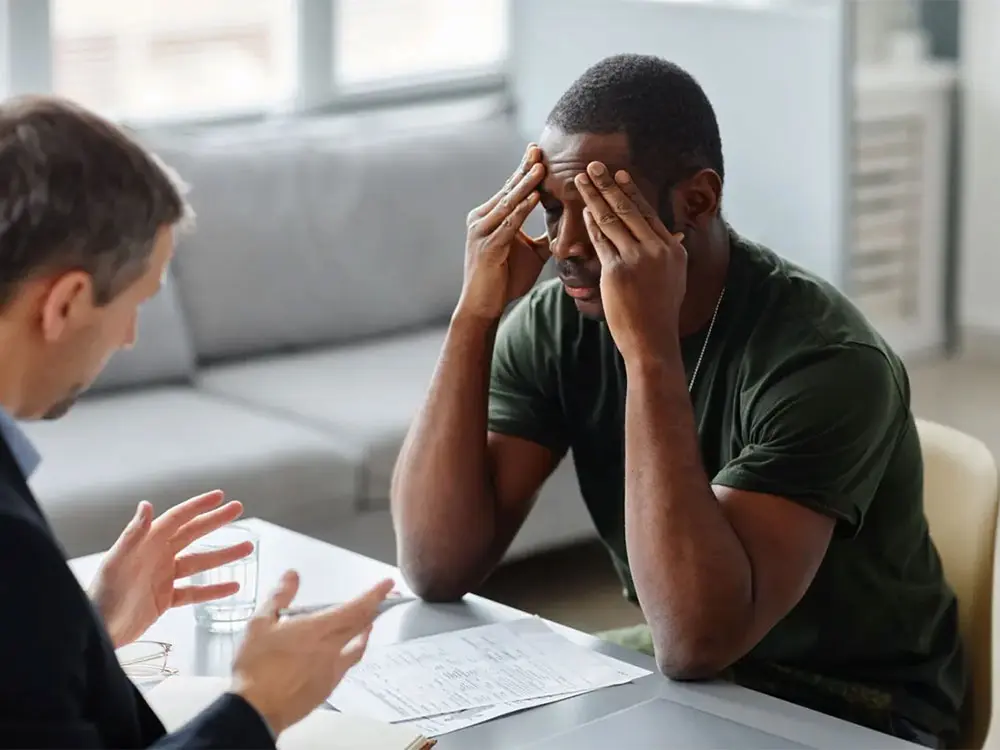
x: 229, y: 613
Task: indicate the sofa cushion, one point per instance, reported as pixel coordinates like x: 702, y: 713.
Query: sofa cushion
x: 366, y: 394
x: 163, y: 352
x: 308, y: 241
x: 559, y: 518
x: 167, y: 444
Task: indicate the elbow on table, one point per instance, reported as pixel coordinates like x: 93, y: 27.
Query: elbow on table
x: 433, y: 584
x: 691, y: 659
x: 687, y: 670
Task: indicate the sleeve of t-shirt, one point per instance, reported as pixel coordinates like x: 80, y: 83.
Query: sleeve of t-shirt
x: 524, y: 381
x: 822, y: 430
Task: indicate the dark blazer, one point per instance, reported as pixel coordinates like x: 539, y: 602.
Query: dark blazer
x: 60, y: 682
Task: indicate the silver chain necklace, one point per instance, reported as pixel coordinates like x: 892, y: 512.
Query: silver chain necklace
x: 708, y: 336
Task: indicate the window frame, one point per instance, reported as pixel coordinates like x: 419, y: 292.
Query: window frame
x: 26, y: 67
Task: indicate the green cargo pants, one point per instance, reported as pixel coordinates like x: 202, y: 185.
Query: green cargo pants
x: 637, y: 637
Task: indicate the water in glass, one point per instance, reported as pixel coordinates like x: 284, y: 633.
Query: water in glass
x: 231, y: 612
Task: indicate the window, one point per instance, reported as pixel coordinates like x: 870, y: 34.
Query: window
x: 144, y: 61
x: 174, y: 58
x: 376, y: 40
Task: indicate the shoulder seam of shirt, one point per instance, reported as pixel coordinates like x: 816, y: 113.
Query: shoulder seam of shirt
x: 888, y: 363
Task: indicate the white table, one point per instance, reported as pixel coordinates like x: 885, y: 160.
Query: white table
x: 329, y: 573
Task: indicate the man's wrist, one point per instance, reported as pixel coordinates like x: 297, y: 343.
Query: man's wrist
x: 264, y: 720
x: 473, y: 321
x: 268, y: 725
x: 269, y: 719
x: 655, y: 363
x: 98, y: 601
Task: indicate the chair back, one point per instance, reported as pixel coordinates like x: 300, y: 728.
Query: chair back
x: 960, y: 502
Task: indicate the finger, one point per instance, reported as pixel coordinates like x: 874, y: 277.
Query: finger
x: 369, y: 600
x: 207, y: 593
x: 623, y: 206
x: 532, y: 154
x: 631, y: 190
x: 350, y: 618
x: 511, y: 225
x: 205, y: 524
x: 512, y: 199
x: 136, y: 529
x: 198, y: 562
x: 606, y: 252
x: 281, y: 598
x: 354, y: 650
x: 610, y: 224
x: 186, y: 511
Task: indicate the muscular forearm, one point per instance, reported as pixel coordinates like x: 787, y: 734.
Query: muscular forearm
x: 442, y: 498
x: 692, y: 575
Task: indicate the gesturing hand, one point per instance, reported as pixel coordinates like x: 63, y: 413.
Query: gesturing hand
x: 288, y: 666
x: 501, y: 261
x: 136, y: 582
x: 643, y: 265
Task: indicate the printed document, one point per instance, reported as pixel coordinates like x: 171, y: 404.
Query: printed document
x: 457, y: 679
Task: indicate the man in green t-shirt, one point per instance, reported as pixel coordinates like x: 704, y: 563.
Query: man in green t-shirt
x: 742, y: 436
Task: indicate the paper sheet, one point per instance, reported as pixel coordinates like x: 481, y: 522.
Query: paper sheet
x: 435, y: 726
x: 502, y: 667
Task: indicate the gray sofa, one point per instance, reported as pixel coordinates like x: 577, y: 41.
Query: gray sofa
x: 292, y: 345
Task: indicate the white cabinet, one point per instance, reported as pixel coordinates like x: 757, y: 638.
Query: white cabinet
x: 898, y: 203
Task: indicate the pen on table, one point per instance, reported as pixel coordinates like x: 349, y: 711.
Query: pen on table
x: 384, y: 606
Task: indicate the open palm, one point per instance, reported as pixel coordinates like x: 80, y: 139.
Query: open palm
x: 138, y: 578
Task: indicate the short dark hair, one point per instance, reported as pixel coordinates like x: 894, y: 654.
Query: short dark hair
x: 78, y: 193
x: 670, y: 125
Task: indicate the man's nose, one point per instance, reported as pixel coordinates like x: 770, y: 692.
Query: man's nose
x: 572, y: 240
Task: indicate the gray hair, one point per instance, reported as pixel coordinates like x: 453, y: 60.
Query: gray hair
x: 78, y: 193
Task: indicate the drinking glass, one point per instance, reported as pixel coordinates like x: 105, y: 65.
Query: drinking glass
x: 229, y: 613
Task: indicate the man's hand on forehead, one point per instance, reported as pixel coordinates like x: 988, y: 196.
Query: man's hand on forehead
x: 532, y: 156
x: 619, y: 208
x: 643, y: 265
x: 501, y: 261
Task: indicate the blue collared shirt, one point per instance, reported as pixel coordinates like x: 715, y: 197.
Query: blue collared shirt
x: 24, y: 452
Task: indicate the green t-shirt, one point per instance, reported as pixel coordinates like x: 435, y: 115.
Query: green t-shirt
x: 798, y: 397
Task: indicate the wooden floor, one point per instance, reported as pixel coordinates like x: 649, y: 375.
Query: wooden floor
x: 576, y: 586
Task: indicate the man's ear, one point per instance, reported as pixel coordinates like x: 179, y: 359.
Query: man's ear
x: 67, y: 305
x: 701, y: 195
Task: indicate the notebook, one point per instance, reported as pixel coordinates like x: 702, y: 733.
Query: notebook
x: 177, y: 700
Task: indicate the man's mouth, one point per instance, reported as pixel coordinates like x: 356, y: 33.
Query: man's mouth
x: 580, y: 292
